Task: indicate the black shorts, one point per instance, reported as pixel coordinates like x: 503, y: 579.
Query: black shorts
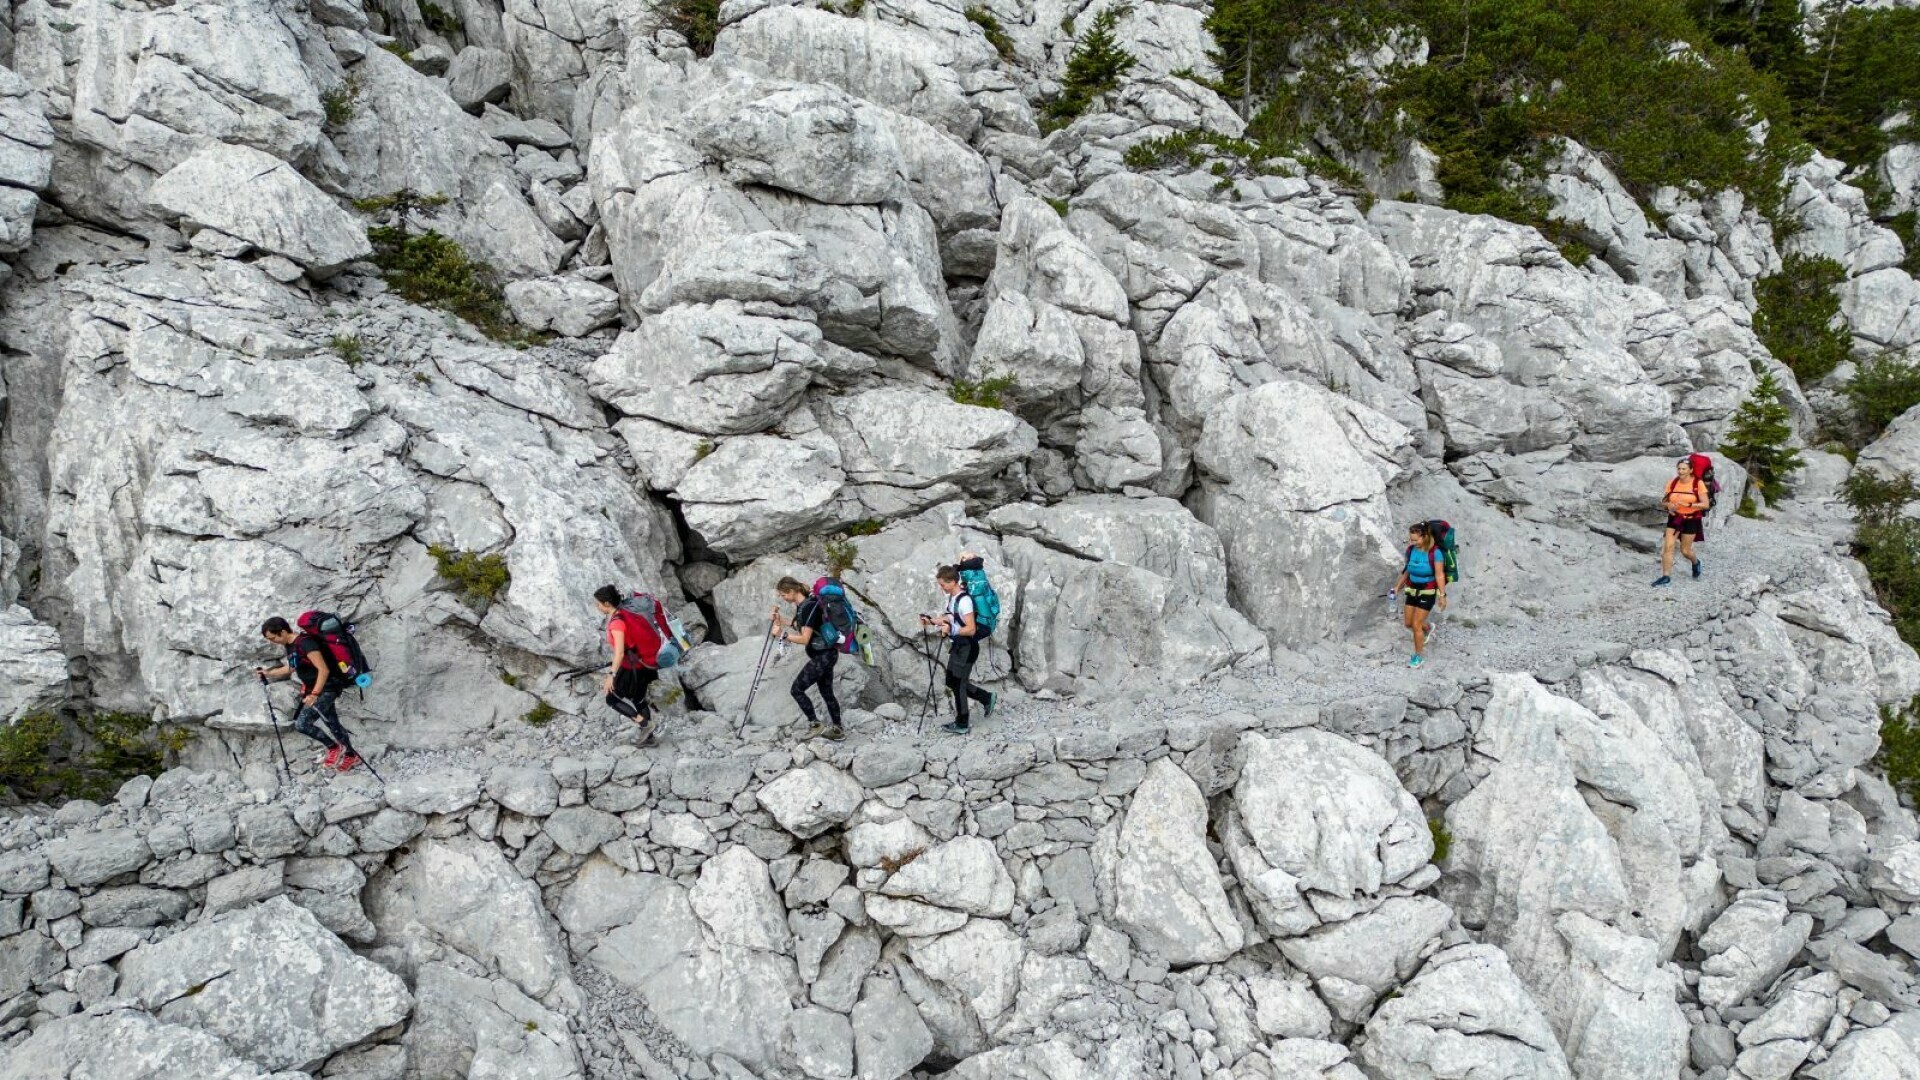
x: 1695, y: 526
x: 1423, y: 599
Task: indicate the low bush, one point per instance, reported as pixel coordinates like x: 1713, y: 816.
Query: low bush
x: 991, y: 29
x: 698, y: 21
x: 1887, y: 543
x: 1899, y: 757
x: 337, y: 105
x: 1442, y: 839
x: 985, y: 393
x: 349, y: 347
x: 540, y: 715
x: 434, y: 270
x: 46, y: 758
x: 1798, y: 317
x: 478, y: 578
x: 439, y: 19
x: 1880, y: 391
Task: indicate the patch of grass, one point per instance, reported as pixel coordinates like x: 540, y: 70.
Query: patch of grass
x: 1887, y: 543
x: 531, y: 1026
x: 431, y: 269
x: 867, y: 527
x: 1094, y: 68
x: 439, y: 19
x: 849, y: 8
x: 1758, y: 440
x: 698, y: 21
x: 349, y: 347
x: 1575, y: 252
x: 1442, y: 839
x: 1059, y: 206
x: 841, y: 553
x: 702, y: 449
x: 510, y: 679
x: 1880, y: 391
x: 1798, y: 317
x: 478, y: 578
x: 985, y: 393
x: 396, y: 48
x: 540, y: 716
x: 1907, y: 227
x: 1899, y: 756
x: 337, y: 104
x: 422, y: 378
x: 991, y: 29
x: 673, y: 695
x: 44, y: 757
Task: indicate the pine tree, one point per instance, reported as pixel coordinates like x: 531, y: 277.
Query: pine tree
x: 1094, y: 67
x: 1757, y: 441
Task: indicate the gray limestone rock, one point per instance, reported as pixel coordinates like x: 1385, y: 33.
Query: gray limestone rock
x: 127, y: 1044
x: 84, y: 859
x: 256, y: 197
x: 1465, y: 1014
x: 1157, y: 879
x: 807, y: 802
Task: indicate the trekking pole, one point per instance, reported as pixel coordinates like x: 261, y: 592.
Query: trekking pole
x: 347, y: 741
x: 274, y: 715
x: 759, y: 672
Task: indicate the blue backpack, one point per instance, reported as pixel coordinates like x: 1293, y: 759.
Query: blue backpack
x: 839, y: 622
x: 986, y: 602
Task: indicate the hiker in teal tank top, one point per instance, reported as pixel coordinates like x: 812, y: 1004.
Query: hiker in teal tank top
x: 1423, y: 581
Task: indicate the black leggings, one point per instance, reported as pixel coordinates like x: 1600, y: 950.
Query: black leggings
x: 629, y: 697
x: 308, y: 720
x: 960, y: 660
x: 818, y: 672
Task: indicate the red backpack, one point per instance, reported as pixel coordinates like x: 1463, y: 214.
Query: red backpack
x: 337, y: 643
x: 642, y: 640
x: 1703, y: 472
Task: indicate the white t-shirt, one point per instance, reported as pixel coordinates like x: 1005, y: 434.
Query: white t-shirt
x: 959, y: 606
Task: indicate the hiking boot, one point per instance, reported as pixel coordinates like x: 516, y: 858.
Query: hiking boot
x: 955, y: 728
x: 1662, y: 580
x: 1415, y: 661
x: 1696, y: 568
x: 347, y: 761
x: 834, y: 733
x: 330, y: 759
x: 819, y: 731
x: 992, y: 700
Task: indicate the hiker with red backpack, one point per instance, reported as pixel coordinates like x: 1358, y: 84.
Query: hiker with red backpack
x: 823, y: 621
x: 323, y: 657
x: 1688, y: 499
x: 645, y: 639
x: 1423, y: 581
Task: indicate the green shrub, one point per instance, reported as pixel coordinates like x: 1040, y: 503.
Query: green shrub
x: 1881, y: 389
x: 985, y: 393
x: 349, y: 347
x: 1094, y: 68
x: 868, y: 527
x: 991, y: 29
x: 438, y: 19
x: 477, y: 577
x: 1899, y: 757
x: 1059, y: 206
x: 841, y: 554
x: 337, y: 104
x: 1442, y: 839
x: 396, y: 48
x: 1798, y: 318
x: 1887, y: 543
x: 431, y: 269
x: 696, y: 20
x: 1225, y: 155
x: 45, y: 758
x: 540, y: 714
x: 1907, y: 227
x: 1757, y: 440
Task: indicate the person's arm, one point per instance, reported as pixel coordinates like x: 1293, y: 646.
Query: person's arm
x: 275, y: 674
x: 1439, y: 561
x: 325, y: 669
x: 618, y: 635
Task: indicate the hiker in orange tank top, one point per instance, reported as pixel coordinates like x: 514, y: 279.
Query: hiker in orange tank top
x: 1686, y: 505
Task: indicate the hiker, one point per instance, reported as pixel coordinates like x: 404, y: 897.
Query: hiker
x: 1423, y: 578
x: 964, y: 630
x: 631, y: 676
x: 1686, y: 504
x: 808, y: 631
x: 319, y: 692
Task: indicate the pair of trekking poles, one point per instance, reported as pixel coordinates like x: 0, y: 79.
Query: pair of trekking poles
x: 287, y: 766
x: 930, y: 652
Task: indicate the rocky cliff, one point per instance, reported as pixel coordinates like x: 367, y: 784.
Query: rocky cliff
x: 817, y: 291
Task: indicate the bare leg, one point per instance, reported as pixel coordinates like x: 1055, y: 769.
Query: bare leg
x: 1419, y: 630
x: 1666, y: 554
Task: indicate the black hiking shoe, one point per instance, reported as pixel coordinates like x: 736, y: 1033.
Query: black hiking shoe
x: 992, y: 700
x: 1662, y: 581
x: 955, y: 728
x: 1696, y: 568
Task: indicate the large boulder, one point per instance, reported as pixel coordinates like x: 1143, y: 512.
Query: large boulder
x: 815, y: 141
x: 1157, y: 878
x: 1464, y: 1015
x: 466, y: 1025
x: 807, y: 802
x: 710, y: 368
x: 270, y: 981
x: 1317, y: 819
x: 1294, y: 479
x: 256, y: 197
x: 26, y: 159
x: 964, y: 874
x: 126, y: 1044
x: 462, y: 893
x: 33, y: 665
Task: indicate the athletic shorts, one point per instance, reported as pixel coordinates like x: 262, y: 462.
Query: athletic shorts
x: 1695, y: 526
x: 1424, y: 599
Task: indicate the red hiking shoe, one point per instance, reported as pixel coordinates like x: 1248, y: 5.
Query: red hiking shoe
x: 348, y: 761
x: 331, y: 759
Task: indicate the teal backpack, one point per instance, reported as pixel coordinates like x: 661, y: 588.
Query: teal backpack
x: 986, y: 602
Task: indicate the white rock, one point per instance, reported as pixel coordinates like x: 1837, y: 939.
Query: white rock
x: 479, y: 76
x: 964, y: 874
x: 807, y: 802
x: 815, y: 141
x: 126, y: 1044
x: 260, y: 972
x: 1465, y: 1014
x: 260, y: 199
x: 1158, y: 881
x: 709, y: 368
x: 980, y: 961
x: 1748, y: 946
x: 735, y: 899
x: 568, y: 306
x: 889, y: 1038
